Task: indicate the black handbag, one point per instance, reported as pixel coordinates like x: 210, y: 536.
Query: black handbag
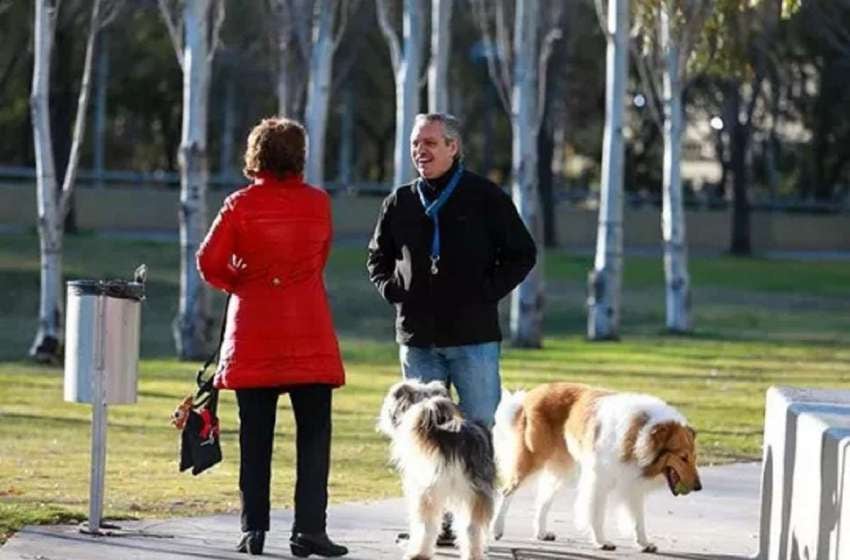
x: 200, y: 445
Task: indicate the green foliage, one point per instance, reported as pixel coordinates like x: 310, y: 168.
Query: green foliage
x: 725, y: 29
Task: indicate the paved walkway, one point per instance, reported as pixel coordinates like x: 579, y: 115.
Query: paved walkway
x: 719, y: 523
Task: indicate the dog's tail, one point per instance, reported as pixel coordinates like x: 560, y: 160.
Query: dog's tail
x: 507, y: 410
x: 504, y: 433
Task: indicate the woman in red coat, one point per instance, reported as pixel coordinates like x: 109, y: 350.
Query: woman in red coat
x: 268, y: 248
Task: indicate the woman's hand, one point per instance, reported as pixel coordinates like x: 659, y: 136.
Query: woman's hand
x: 237, y: 263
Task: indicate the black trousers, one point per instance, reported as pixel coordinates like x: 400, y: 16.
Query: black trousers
x: 257, y: 413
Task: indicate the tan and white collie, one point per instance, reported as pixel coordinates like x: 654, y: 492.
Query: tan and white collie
x: 625, y: 444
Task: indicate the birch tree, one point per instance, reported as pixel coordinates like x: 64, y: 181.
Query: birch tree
x: 605, y: 280
x: 53, y: 201
x: 324, y: 44
x: 406, y: 60
x: 438, y: 70
x: 517, y: 68
x: 193, y: 26
x: 670, y: 30
x: 292, y: 25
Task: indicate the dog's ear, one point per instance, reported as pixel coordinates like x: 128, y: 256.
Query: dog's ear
x: 660, y: 434
x: 441, y: 414
x: 437, y: 388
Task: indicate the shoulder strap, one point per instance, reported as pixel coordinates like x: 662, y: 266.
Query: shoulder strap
x: 205, y: 386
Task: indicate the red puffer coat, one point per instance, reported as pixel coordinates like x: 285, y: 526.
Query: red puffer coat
x: 279, y: 329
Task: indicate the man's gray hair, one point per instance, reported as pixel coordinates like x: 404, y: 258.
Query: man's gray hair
x: 451, y: 128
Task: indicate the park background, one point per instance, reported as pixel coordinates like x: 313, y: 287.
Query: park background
x: 764, y: 189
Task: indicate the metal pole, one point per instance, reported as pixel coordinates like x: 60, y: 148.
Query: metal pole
x: 98, y: 433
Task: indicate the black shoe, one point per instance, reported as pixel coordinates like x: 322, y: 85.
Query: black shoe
x: 252, y: 542
x: 305, y: 544
x: 446, y: 537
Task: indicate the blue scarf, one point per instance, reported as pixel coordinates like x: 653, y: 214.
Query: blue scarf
x: 432, y: 210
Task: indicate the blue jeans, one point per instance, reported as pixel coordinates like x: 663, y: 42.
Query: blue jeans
x: 472, y: 369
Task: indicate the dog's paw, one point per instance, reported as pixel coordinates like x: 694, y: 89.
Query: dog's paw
x: 417, y: 556
x: 545, y: 536
x: 649, y: 548
x: 605, y: 546
x: 497, y: 534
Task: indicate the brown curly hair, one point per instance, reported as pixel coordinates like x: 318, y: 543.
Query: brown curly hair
x: 277, y: 145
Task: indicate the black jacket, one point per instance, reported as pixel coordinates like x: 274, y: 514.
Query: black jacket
x: 486, y: 251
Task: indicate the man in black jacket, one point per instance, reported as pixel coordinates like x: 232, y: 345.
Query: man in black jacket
x: 447, y: 247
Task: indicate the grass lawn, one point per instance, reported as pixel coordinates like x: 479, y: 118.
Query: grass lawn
x: 758, y: 323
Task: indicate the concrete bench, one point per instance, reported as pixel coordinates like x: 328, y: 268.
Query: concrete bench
x: 805, y: 495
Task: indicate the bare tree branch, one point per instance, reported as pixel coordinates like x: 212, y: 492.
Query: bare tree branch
x: 174, y: 25
x: 304, y: 14
x: 492, y: 55
x: 601, y: 16
x: 504, y: 45
x: 82, y: 109
x: 219, y: 11
x: 649, y: 82
x: 689, y: 34
x: 389, y: 34
x: 552, y: 36
x: 346, y: 8
x: 110, y: 11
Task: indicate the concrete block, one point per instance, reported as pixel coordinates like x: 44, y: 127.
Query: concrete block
x: 805, y: 497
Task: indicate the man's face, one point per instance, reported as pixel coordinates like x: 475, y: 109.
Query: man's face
x: 432, y: 154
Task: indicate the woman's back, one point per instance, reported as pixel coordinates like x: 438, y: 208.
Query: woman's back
x: 279, y: 327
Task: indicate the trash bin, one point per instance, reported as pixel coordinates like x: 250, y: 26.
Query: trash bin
x: 102, y: 340
x: 102, y: 325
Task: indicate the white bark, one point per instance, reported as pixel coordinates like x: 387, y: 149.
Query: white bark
x: 438, y: 81
x: 319, y: 90
x: 676, y: 280
x: 406, y: 66
x: 53, y: 203
x: 605, y: 280
x: 192, y: 324
x: 49, y: 226
x: 407, y: 90
x: 526, y: 319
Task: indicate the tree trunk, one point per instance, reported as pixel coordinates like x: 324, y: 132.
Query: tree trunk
x: 192, y: 325
x: 526, y: 319
x: 54, y: 202
x: 438, y: 81
x: 290, y: 18
x: 319, y: 90
x: 407, y: 91
x: 46, y: 346
x: 605, y: 280
x: 545, y: 178
x: 346, y: 140
x: 676, y: 280
x: 738, y: 157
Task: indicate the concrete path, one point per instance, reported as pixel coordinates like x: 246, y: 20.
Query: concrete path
x: 719, y: 523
